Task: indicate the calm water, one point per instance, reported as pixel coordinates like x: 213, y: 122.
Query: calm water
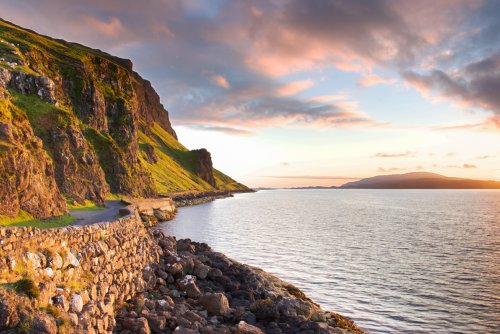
x: 399, y: 261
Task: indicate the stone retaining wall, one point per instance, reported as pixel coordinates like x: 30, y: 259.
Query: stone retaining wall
x: 83, y: 272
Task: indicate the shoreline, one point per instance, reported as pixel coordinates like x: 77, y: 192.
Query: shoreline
x: 136, y: 279
x: 199, y: 290
x: 190, y: 198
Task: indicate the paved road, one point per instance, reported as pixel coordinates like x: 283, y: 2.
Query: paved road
x: 108, y: 214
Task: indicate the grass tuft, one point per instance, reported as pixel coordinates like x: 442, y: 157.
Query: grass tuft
x: 28, y: 287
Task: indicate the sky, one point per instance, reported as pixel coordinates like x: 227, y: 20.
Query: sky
x: 319, y: 92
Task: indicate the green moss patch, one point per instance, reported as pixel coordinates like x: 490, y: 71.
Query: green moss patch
x: 25, y: 219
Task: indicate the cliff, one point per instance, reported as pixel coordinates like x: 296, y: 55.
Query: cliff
x: 77, y: 124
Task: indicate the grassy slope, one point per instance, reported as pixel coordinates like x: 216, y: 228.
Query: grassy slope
x: 175, y: 169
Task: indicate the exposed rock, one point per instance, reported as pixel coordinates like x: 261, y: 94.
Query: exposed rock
x: 29, y: 84
x: 215, y: 303
x: 151, y: 155
x: 43, y: 324
x: 76, y: 304
x: 27, y: 179
x: 244, y: 328
x: 54, y: 260
x: 203, y: 166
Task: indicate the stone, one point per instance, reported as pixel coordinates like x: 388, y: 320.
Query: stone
x: 265, y: 309
x: 55, y: 261
x: 157, y: 323
x: 142, y: 326
x: 34, y: 260
x: 61, y: 301
x: 76, y: 303
x: 182, y: 330
x: 215, y: 303
x: 48, y: 272
x: 43, y: 324
x: 201, y: 270
x: 70, y: 260
x: 73, y: 318
x: 244, y: 328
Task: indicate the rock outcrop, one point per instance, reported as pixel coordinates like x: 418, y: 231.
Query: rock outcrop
x: 203, y: 166
x: 27, y: 179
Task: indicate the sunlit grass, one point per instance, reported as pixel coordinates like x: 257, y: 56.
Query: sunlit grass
x: 25, y: 219
x: 87, y: 206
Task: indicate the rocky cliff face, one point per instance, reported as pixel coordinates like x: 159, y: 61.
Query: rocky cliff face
x: 98, y: 127
x: 203, y: 166
x: 27, y: 179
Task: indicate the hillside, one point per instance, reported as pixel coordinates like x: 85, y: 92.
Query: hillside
x: 77, y: 125
x: 420, y: 180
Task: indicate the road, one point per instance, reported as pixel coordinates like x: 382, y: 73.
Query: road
x: 88, y: 217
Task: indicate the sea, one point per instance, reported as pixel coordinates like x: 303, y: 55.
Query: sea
x: 394, y: 261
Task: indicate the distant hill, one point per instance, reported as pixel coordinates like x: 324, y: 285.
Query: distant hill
x: 419, y: 180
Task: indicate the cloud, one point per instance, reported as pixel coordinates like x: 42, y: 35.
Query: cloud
x: 464, y: 166
x: 284, y: 164
x: 372, y: 80
x: 223, y: 129
x: 220, y: 81
x: 111, y: 27
x: 390, y: 170
x: 312, y: 177
x: 294, y: 87
x: 491, y: 124
x: 395, y: 155
x: 446, y: 49
x: 327, y: 98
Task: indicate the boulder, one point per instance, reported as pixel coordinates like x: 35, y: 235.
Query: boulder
x: 76, y: 303
x: 201, y: 270
x: 215, y: 303
x: 244, y: 328
x: 43, y: 324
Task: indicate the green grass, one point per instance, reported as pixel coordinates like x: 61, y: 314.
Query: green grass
x: 42, y: 115
x: 25, y: 219
x: 28, y: 287
x: 113, y: 197
x: 174, y: 169
x: 87, y: 206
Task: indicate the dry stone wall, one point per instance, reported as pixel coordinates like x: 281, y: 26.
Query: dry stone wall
x: 84, y: 272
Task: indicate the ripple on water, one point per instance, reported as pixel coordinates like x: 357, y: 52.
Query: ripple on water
x: 395, y: 261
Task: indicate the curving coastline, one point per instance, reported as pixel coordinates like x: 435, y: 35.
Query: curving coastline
x: 127, y: 277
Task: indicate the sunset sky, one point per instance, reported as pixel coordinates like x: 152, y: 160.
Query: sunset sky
x: 295, y: 93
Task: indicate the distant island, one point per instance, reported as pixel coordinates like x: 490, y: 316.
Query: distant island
x: 420, y: 180
x: 415, y: 180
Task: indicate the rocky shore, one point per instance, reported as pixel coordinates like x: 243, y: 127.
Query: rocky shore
x: 196, y: 290
x: 189, y: 198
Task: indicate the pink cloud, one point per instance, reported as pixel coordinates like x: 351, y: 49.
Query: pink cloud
x: 220, y: 81
x: 395, y: 155
x: 373, y: 79
x: 294, y: 87
x: 113, y: 27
